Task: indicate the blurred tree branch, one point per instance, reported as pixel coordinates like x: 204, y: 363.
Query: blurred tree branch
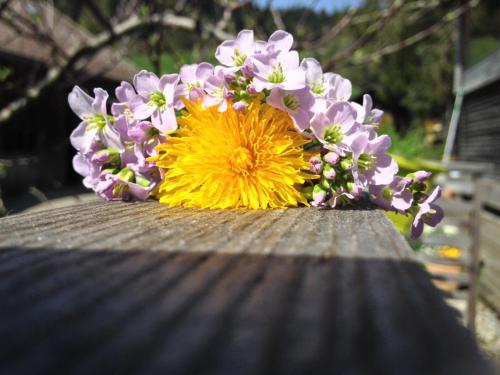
x: 111, y: 35
x: 3, y: 5
x: 415, y: 38
x: 370, y: 33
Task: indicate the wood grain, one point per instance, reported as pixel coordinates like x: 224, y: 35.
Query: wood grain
x: 142, y: 288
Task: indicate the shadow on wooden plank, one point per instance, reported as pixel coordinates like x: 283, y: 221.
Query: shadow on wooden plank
x: 103, y: 311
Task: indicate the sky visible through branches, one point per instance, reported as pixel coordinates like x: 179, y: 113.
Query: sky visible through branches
x: 318, y: 5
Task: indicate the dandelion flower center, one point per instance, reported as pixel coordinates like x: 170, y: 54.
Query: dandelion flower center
x: 252, y: 158
x: 242, y: 160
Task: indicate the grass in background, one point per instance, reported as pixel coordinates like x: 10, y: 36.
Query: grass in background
x: 412, y: 145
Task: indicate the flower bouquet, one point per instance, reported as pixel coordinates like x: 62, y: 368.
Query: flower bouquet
x: 261, y: 130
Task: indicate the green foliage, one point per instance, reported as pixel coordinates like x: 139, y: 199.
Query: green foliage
x: 3, y: 170
x: 481, y: 47
x: 412, y: 144
x: 401, y: 222
x: 170, y: 62
x: 5, y: 73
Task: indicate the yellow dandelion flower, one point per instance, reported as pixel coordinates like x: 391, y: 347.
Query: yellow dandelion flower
x: 252, y: 158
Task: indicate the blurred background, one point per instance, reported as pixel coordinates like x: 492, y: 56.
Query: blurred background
x: 432, y: 66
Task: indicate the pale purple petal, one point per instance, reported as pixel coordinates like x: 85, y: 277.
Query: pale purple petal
x: 417, y: 227
x: 341, y: 113
x: 80, y: 102
x: 168, y: 81
x: 300, y: 119
x: 125, y: 92
x: 168, y: 120
x: 436, y: 218
x: 81, y: 165
x: 275, y: 99
x: 140, y: 108
x: 82, y: 139
x: 313, y: 70
x: 402, y: 201
x: 244, y: 41
x: 281, y: 40
x: 139, y: 133
x: 340, y: 88
x: 380, y: 144
x: 291, y: 61
x: 146, y: 83
x: 384, y: 171
x: 139, y: 192
x: 224, y: 52
x: 188, y: 73
x: 111, y: 138
x: 435, y: 195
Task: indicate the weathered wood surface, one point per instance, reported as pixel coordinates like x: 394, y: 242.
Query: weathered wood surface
x: 489, y: 243
x: 141, y: 288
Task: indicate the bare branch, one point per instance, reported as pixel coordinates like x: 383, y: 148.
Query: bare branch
x: 416, y: 38
x: 227, y: 14
x: 96, y: 12
x: 275, y: 14
x: 344, y: 22
x: 3, y: 5
x: 100, y: 41
x: 116, y: 32
x: 367, y: 36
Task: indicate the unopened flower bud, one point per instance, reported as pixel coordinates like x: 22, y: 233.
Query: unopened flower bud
x: 240, y: 106
x: 106, y: 156
x: 229, y: 95
x: 315, y: 165
x: 325, y: 184
x: 111, y: 170
x: 126, y: 174
x: 247, y: 71
x: 346, y: 164
x: 420, y: 176
x: 251, y: 90
x: 319, y: 195
x: 354, y: 189
x: 332, y: 158
x: 229, y: 78
x: 142, y: 181
x: 329, y: 172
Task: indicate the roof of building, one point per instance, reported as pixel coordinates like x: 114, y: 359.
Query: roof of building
x: 64, y: 32
x: 483, y: 73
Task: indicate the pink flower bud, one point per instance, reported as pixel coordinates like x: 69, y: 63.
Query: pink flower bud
x: 251, y: 90
x: 229, y: 78
x: 332, y: 158
x: 329, y: 172
x: 421, y: 176
x: 319, y: 195
x: 247, y: 71
x: 315, y: 165
x: 228, y: 95
x: 240, y: 106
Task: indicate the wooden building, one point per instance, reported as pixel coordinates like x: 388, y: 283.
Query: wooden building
x: 478, y: 140
x: 478, y: 136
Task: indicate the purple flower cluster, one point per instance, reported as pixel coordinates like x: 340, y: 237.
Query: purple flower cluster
x: 112, y: 149
x: 351, y: 158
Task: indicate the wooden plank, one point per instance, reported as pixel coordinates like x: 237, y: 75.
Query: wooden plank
x: 142, y: 288
x: 492, y: 199
x: 490, y: 249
